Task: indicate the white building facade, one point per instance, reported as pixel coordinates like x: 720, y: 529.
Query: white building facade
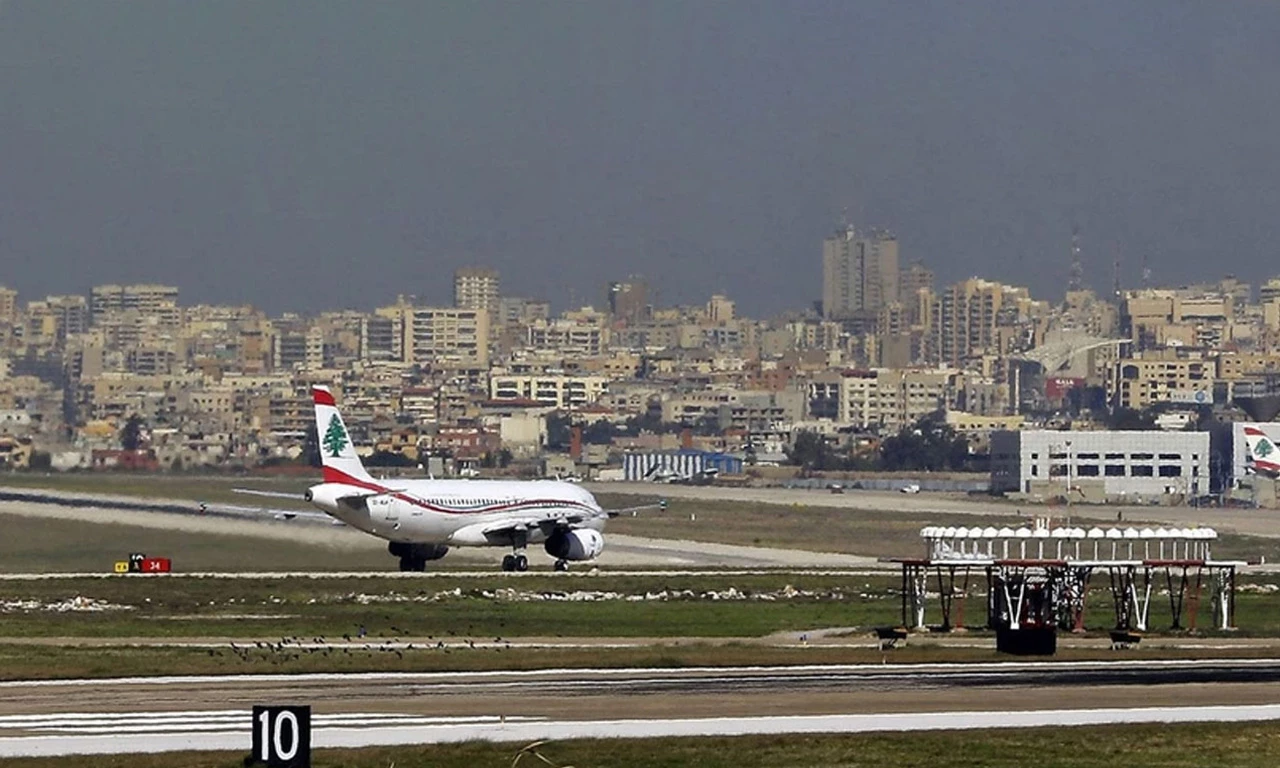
x: 1129, y: 464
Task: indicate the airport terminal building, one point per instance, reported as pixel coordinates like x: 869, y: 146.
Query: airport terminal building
x: 1110, y: 464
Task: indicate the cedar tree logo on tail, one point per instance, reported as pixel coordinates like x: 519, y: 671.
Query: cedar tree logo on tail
x: 335, y: 438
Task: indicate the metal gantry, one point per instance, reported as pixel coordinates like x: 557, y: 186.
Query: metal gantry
x: 1042, y: 574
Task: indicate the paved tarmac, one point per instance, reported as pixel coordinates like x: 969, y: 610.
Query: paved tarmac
x: 620, y: 551
x: 1252, y: 522
x: 213, y: 712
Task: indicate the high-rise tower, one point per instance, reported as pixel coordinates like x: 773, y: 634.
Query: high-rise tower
x: 859, y: 273
x: 476, y: 288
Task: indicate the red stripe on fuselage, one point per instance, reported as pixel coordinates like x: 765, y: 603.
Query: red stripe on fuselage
x: 332, y: 475
x: 1268, y: 466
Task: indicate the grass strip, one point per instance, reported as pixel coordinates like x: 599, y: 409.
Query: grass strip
x: 1223, y: 745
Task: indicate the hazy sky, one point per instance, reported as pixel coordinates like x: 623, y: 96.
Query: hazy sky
x: 301, y: 155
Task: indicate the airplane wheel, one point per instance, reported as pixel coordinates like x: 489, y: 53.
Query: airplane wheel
x: 562, y: 565
x: 522, y: 563
x: 509, y: 563
x: 406, y: 564
x: 420, y: 564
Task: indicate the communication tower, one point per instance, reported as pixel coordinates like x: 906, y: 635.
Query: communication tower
x: 1075, y: 280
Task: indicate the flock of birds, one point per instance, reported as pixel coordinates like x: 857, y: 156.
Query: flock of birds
x: 296, y: 647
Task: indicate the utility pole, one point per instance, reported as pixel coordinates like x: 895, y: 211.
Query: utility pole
x: 1068, y: 483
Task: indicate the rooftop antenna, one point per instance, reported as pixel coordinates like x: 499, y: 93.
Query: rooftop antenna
x: 1115, y: 275
x: 1075, y: 280
x: 1146, y: 273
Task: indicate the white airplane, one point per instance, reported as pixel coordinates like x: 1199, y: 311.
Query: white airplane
x: 1263, y: 458
x: 423, y: 519
x: 665, y: 475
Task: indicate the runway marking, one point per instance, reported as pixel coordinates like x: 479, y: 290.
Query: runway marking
x: 563, y: 673
x: 400, y: 732
x: 738, y: 726
x: 217, y: 721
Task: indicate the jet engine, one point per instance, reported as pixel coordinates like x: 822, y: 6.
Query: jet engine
x: 328, y: 496
x: 580, y: 544
x: 417, y: 551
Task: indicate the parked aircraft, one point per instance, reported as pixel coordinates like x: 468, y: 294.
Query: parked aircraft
x: 661, y: 474
x: 1263, y: 458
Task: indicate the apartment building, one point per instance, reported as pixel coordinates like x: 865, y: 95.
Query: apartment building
x: 555, y: 390
x: 477, y: 288
x: 977, y: 317
x: 51, y: 320
x: 1157, y: 377
x: 448, y: 337
x: 578, y: 338
x: 860, y: 273
x: 889, y: 399
x: 8, y: 304
x: 160, y: 301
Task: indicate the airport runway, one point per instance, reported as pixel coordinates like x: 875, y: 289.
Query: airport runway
x: 159, y: 714
x: 475, y: 573
x: 621, y: 550
x: 1250, y: 522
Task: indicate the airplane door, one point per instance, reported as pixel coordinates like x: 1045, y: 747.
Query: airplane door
x: 385, y: 508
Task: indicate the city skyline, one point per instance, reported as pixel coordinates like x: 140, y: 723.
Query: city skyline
x: 848, y: 258
x: 294, y: 157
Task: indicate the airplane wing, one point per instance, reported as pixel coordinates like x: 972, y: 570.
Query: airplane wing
x: 661, y: 504
x: 546, y: 524
x: 269, y: 494
x: 275, y: 513
x: 265, y: 512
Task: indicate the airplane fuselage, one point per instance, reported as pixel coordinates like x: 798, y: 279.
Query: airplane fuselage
x: 454, y: 513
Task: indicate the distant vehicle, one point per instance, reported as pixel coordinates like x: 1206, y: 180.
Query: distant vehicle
x: 910, y: 488
x: 422, y: 519
x: 835, y: 487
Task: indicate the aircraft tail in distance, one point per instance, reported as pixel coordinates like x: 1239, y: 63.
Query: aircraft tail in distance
x: 337, y: 453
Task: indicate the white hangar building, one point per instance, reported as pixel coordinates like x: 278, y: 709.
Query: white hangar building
x: 1126, y: 463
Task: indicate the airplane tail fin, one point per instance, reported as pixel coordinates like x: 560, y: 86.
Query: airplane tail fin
x: 337, y: 454
x: 1262, y: 455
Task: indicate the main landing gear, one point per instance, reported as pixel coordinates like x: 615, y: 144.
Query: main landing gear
x: 519, y: 563
x: 515, y: 562
x: 414, y: 564
x: 414, y: 557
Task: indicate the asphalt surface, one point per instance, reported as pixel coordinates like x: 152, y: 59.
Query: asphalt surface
x: 212, y: 712
x: 620, y: 550
x: 1251, y: 522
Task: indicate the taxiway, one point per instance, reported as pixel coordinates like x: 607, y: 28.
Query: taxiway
x: 212, y: 712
